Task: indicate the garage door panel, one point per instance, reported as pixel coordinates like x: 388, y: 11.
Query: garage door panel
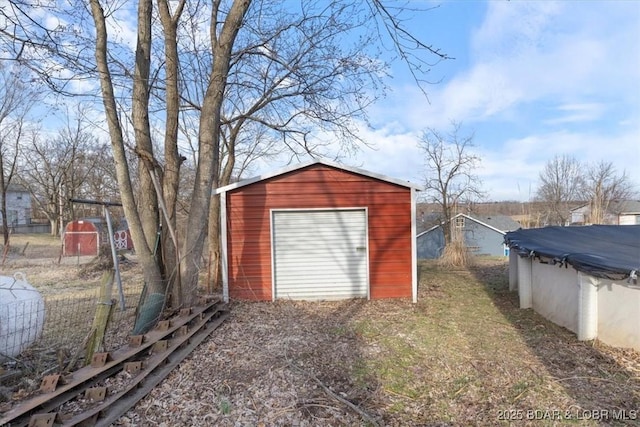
x: 315, y: 256
x: 320, y: 254
x: 325, y: 237
x: 338, y: 220
x: 341, y: 292
x: 320, y: 276
x: 317, y: 297
x: 326, y: 251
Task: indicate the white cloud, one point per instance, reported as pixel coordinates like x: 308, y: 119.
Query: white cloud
x: 392, y: 151
x: 512, y: 29
x: 511, y: 171
x: 491, y: 88
x: 122, y: 26
x: 527, y: 52
x: 543, y: 78
x: 396, y: 154
x: 573, y: 113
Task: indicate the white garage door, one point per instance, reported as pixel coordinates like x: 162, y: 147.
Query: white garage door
x: 320, y: 254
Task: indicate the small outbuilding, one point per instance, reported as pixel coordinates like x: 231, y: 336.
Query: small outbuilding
x: 18, y: 207
x: 582, y: 278
x: 122, y: 240
x: 618, y: 212
x: 82, y: 237
x: 482, y: 235
x: 319, y: 231
x: 122, y: 236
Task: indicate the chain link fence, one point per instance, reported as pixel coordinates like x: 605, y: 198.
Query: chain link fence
x: 40, y: 335
x: 49, y: 330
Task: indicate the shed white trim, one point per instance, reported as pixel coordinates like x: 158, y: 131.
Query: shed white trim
x: 430, y: 229
x: 414, y: 248
x: 224, y: 265
x: 320, y: 161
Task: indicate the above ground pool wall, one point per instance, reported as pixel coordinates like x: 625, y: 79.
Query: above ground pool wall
x: 513, y: 271
x: 555, y: 293
x: 619, y: 313
x: 586, y: 305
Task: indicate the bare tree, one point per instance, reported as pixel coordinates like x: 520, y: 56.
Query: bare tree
x: 245, y: 66
x: 224, y: 27
x: 450, y: 171
x: 290, y: 76
x: 99, y: 174
x: 560, y: 183
x: 603, y: 185
x: 16, y: 101
x: 68, y: 165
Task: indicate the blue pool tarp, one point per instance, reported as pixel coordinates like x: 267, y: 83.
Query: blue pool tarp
x: 607, y: 251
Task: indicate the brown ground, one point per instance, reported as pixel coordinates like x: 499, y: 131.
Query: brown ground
x: 465, y: 354
x: 70, y: 288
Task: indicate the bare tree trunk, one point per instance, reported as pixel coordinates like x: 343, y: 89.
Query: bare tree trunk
x: 209, y: 142
x: 450, y: 177
x: 148, y: 199
x: 446, y: 213
x: 3, y: 206
x: 55, y: 226
x: 215, y: 216
x: 171, y: 175
x: 215, y: 276
x: 597, y: 211
x: 150, y: 269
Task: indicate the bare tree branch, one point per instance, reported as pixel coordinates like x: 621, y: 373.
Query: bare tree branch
x: 560, y: 184
x: 603, y: 185
x: 450, y: 165
x: 409, y: 48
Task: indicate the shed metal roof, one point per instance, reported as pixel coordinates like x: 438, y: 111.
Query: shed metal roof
x: 498, y: 223
x: 619, y: 207
x: 608, y: 251
x: 320, y: 161
x: 626, y: 207
x: 16, y: 188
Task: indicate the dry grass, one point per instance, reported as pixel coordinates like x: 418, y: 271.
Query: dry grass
x: 456, y: 255
x: 33, y: 246
x: 70, y: 288
x: 465, y: 354
x: 468, y: 353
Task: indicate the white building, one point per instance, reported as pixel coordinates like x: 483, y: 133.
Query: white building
x: 18, y: 206
x: 619, y: 212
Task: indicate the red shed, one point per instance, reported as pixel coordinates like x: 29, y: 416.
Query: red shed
x: 81, y: 237
x: 319, y: 231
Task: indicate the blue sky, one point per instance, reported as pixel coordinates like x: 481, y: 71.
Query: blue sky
x: 531, y: 79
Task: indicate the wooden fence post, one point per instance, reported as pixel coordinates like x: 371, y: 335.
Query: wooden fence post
x: 102, y: 316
